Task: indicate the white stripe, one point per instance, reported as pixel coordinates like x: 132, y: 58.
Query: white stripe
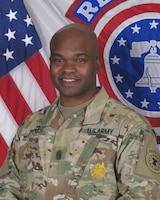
x: 29, y: 87
x: 45, y: 58
x: 47, y: 63
x: 114, y: 11
x: 157, y: 130
x: 8, y: 125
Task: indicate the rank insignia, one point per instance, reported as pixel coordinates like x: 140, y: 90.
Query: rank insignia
x: 153, y: 160
x: 98, y: 170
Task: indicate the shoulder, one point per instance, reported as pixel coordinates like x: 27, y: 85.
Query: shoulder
x: 127, y: 120
x: 33, y: 121
x: 36, y: 116
x: 116, y: 111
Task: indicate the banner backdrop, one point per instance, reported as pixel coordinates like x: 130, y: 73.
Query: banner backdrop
x: 128, y: 33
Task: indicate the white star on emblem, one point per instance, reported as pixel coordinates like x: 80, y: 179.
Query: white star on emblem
x: 8, y: 54
x: 158, y: 104
x: 144, y: 103
x: 154, y: 24
x: 27, y: 40
x: 118, y: 78
x: 11, y: 15
x: 135, y: 29
x: 129, y: 94
x: 115, y: 60
x: 122, y: 42
x: 28, y: 21
x: 10, y: 34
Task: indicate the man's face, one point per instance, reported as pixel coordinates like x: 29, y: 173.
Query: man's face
x: 73, y: 66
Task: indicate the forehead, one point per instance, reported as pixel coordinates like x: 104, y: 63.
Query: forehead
x: 74, y: 41
x: 72, y: 35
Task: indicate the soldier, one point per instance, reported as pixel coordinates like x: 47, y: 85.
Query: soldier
x: 86, y: 145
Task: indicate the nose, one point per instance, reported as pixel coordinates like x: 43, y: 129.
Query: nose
x: 69, y: 66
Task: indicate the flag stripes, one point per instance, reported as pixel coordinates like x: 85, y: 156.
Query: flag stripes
x: 12, y: 96
x: 41, y: 74
x: 3, y: 149
x: 24, y: 90
x: 24, y: 72
x: 8, y: 125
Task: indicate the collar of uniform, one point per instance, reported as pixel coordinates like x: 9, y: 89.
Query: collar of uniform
x: 50, y: 113
x: 95, y: 108
x: 92, y: 114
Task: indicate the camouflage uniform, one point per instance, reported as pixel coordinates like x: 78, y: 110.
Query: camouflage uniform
x: 103, y: 152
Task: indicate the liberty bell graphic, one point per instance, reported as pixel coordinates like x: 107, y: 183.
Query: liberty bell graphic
x: 151, y: 74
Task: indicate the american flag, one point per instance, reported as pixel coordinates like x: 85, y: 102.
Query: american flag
x: 25, y: 85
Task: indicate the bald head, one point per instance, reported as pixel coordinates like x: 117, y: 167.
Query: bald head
x: 78, y: 30
x: 77, y: 27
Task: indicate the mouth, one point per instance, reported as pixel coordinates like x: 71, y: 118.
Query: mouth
x: 68, y: 80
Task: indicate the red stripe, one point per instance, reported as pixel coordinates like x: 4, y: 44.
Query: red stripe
x: 158, y: 139
x: 3, y: 150
x: 154, y: 121
x: 14, y: 99
x: 39, y: 69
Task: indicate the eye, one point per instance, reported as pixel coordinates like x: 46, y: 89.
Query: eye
x: 57, y: 60
x: 81, y: 60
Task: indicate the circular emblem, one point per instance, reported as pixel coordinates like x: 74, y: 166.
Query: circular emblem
x: 153, y: 161
x: 130, y: 46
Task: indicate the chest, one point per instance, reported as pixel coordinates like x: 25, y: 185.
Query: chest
x: 64, y: 157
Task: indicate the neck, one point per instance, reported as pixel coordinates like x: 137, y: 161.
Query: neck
x: 76, y: 101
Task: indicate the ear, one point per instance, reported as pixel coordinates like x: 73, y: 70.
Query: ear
x: 98, y: 63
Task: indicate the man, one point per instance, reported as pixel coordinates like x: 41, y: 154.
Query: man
x: 86, y: 145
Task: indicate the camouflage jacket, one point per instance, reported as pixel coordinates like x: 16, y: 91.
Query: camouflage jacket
x: 104, y: 151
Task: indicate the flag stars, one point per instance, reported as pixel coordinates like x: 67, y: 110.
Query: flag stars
x: 118, y: 78
x: 115, y: 60
x: 27, y: 40
x: 28, y: 21
x: 135, y: 29
x: 122, y: 42
x: 144, y: 103
x: 8, y: 54
x: 153, y: 24
x: 10, y: 34
x: 129, y: 94
x: 12, y: 15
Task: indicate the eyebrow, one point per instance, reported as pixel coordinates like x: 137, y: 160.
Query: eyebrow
x: 77, y: 54
x: 56, y: 54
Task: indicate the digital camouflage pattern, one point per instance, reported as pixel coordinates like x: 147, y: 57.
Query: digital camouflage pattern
x: 103, y: 152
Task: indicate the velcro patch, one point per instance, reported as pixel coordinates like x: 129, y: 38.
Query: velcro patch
x: 153, y: 160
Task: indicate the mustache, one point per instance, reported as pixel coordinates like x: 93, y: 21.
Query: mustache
x: 69, y: 75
